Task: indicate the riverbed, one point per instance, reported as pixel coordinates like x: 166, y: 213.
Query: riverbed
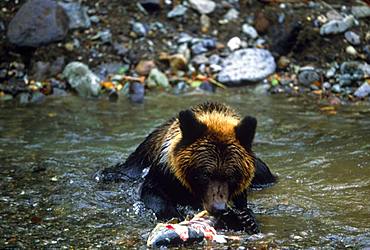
x: 49, y: 154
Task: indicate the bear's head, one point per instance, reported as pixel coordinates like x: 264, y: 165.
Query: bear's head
x: 213, y: 156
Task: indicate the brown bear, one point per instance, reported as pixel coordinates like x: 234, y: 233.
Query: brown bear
x: 202, y: 158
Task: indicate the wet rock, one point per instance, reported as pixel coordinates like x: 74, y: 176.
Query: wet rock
x: 157, y: 79
x: 151, y: 5
x: 308, y: 76
x: 136, y: 92
x: 232, y: 14
x: 247, y: 65
x: 37, y: 98
x: 199, y: 60
x: 77, y: 14
x: 82, y: 79
x: 144, y: 67
x: 203, y: 6
x: 352, y: 38
x: 261, y: 23
x: 208, y: 87
x: 337, y: 26
x: 250, y: 31
x: 336, y: 88
x: 234, y: 43
x: 59, y: 92
x: 37, y: 23
x: 179, y: 10
x: 363, y: 90
x: 139, y: 29
x: 361, y: 11
x: 23, y: 98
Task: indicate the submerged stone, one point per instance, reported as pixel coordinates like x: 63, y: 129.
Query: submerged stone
x: 247, y: 65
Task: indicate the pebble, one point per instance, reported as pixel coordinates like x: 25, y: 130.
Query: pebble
x: 234, y: 43
x: 331, y: 72
x: 361, y: 11
x: 363, y: 90
x: 139, y: 29
x: 77, y: 14
x: 326, y: 85
x: 337, y: 26
x: 205, y: 23
x: 203, y: 6
x: 351, y: 51
x: 199, y: 60
x: 82, y: 79
x: 336, y: 88
x: 105, y: 36
x: 37, y: 23
x: 144, y: 67
x: 203, y: 46
x: 283, y: 62
x: 308, y: 76
x: 250, y: 31
x: 232, y: 14
x: 157, y: 79
x: 37, y: 97
x: 247, y: 65
x: 179, y: 10
x: 352, y: 38
x: 136, y: 92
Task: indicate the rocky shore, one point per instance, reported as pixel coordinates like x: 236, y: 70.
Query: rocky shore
x: 122, y: 49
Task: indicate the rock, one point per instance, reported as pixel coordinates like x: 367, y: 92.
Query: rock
x: 363, y: 90
x: 337, y: 26
x: 105, y: 36
x: 151, y: 5
x: 199, y: 60
x: 77, y: 14
x: 157, y: 79
x: 5, y: 97
x: 37, y: 23
x: 37, y: 97
x: 232, y: 14
x: 208, y: 87
x: 247, y: 65
x: 139, y: 29
x: 352, y: 38
x: 82, y: 79
x: 136, y: 92
x: 261, y: 23
x: 351, y: 51
x: 336, y: 88
x: 333, y: 15
x: 179, y: 10
x: 23, y: 98
x: 177, y: 62
x: 351, y: 72
x: 41, y: 70
x: 57, y: 66
x: 326, y: 85
x: 331, y: 72
x: 144, y: 67
x: 308, y: 76
x: 361, y: 11
x: 203, y: 6
x: 205, y: 23
x: 234, y: 43
x: 283, y: 62
x: 120, y: 49
x: 59, y: 92
x: 250, y: 31
x: 203, y: 46
x: 180, y: 87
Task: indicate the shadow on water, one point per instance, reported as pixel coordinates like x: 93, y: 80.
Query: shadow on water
x: 49, y: 154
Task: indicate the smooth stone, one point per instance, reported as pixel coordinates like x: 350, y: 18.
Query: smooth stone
x: 77, y: 14
x: 136, y: 92
x: 336, y: 88
x: 351, y: 51
x: 337, y: 26
x: 250, y: 31
x: 157, y: 79
x: 203, y: 6
x: 37, y: 23
x: 308, y: 76
x: 144, y: 67
x: 247, y: 65
x: 363, y: 90
x: 139, y: 29
x: 234, y: 43
x: 82, y: 79
x: 352, y: 38
x: 179, y: 10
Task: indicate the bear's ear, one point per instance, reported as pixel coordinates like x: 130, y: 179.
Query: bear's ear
x: 191, y: 128
x: 245, y: 131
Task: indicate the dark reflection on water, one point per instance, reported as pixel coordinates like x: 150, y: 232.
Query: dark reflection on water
x: 49, y: 153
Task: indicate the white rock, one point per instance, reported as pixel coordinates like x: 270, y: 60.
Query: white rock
x: 247, y: 65
x: 250, y: 31
x: 203, y: 6
x: 82, y: 79
x: 234, y: 43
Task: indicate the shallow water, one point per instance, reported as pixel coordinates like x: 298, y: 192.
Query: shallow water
x: 49, y: 154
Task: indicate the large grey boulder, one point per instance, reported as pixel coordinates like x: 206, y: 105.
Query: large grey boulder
x: 37, y: 23
x: 247, y: 65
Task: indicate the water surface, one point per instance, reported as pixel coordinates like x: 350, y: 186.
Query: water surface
x: 50, y: 152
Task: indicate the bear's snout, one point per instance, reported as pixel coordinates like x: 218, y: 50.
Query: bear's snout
x: 216, y: 197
